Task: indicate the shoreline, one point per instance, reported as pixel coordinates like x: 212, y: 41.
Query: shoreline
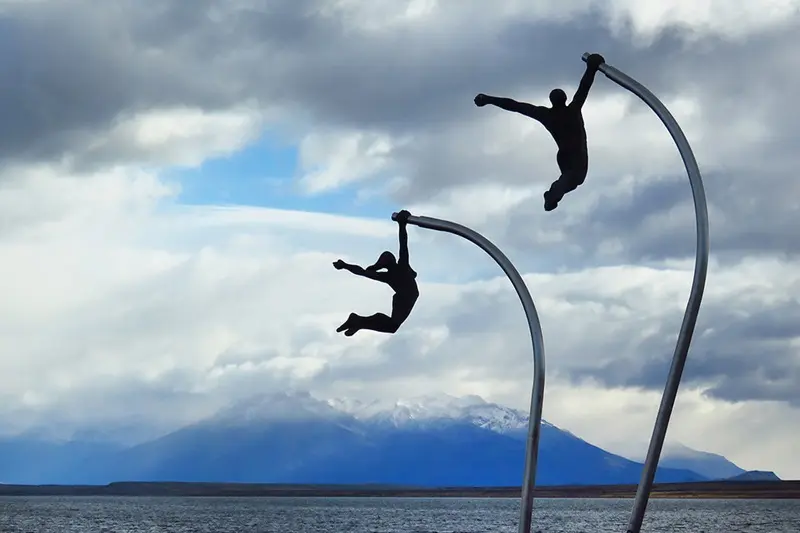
x: 695, y: 490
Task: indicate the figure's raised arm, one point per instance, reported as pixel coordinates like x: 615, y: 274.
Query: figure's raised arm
x: 402, y: 222
x: 529, y: 110
x: 592, y: 63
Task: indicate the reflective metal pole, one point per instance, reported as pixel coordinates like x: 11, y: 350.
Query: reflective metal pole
x: 695, y: 296
x: 537, y: 394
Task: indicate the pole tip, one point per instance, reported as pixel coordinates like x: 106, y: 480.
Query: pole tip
x: 394, y: 217
x: 585, y: 56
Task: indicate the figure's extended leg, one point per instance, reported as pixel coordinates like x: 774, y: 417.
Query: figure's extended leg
x: 377, y: 322
x: 573, y: 165
x: 352, y: 319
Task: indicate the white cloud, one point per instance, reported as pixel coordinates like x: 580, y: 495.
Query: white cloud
x: 176, y: 136
x: 336, y: 159
x: 735, y: 19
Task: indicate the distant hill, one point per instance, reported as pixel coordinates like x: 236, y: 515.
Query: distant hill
x: 709, y: 465
x: 755, y: 475
x: 295, y: 438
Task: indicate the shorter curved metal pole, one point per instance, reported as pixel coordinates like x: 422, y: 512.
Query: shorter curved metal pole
x: 537, y: 393
x: 695, y: 296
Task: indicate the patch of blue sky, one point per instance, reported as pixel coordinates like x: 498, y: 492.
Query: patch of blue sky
x: 264, y: 175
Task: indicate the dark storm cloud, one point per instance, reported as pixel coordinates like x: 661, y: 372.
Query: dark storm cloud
x: 744, y: 354
x: 70, y: 69
x: 751, y: 212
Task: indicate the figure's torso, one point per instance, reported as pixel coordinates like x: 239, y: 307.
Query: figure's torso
x: 403, y: 279
x: 566, y: 126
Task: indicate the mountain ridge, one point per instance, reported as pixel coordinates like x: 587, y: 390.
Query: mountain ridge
x: 297, y: 438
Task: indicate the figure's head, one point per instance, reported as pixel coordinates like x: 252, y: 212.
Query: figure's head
x: 385, y: 260
x: 558, y: 98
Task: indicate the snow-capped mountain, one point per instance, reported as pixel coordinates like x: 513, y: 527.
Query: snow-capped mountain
x: 440, y: 408
x: 297, y: 438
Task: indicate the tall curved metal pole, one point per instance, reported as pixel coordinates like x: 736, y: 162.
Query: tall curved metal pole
x: 695, y: 296
x: 537, y: 394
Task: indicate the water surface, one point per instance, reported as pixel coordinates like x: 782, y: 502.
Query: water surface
x: 384, y: 515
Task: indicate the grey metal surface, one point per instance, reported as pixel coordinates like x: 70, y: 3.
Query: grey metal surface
x: 695, y: 296
x: 537, y: 394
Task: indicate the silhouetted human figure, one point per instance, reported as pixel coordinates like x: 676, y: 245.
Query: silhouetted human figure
x: 398, y: 275
x: 565, y: 124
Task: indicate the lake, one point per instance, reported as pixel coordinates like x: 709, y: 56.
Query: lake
x: 384, y: 515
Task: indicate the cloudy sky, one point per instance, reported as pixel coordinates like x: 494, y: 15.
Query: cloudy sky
x: 177, y: 177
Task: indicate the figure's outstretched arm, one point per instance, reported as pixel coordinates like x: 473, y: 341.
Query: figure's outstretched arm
x: 508, y: 104
x: 361, y: 271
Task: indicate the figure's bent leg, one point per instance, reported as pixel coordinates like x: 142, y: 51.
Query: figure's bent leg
x: 377, y: 322
x: 402, y: 304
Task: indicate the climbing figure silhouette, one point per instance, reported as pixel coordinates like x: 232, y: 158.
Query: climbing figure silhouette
x: 398, y: 275
x: 565, y: 123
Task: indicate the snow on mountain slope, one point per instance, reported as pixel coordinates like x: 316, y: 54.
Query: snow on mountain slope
x: 422, y: 411
x: 438, y: 408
